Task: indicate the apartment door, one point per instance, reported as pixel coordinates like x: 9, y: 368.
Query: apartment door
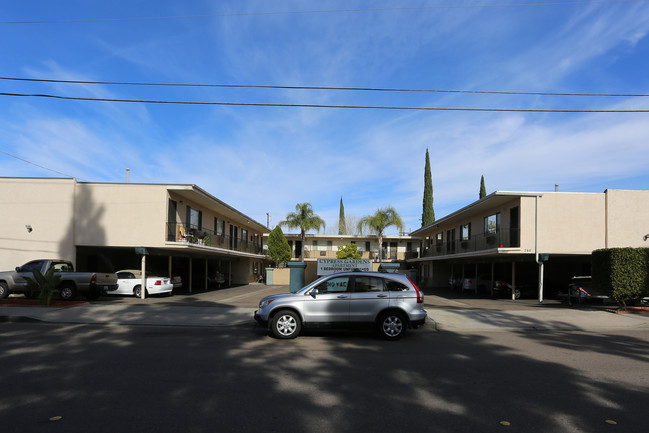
x: 234, y: 234
x: 514, y: 227
x: 171, y: 220
x: 450, y: 241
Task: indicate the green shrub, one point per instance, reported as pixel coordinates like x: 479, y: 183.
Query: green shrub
x: 349, y: 251
x: 44, y: 284
x: 622, y: 273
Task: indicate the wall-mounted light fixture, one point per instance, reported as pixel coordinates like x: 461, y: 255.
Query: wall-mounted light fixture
x: 29, y: 228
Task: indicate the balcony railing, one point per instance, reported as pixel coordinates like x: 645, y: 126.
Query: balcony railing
x: 479, y: 242
x: 208, y: 238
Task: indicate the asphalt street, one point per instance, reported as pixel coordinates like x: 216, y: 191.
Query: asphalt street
x: 107, y: 378
x: 196, y: 362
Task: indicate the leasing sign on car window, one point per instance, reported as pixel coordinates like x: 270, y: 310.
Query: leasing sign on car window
x: 330, y: 266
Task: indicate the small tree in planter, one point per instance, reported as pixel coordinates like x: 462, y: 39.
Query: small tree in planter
x: 44, y: 284
x: 278, y: 248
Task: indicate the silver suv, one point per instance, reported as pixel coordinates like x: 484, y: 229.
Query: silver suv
x: 389, y: 301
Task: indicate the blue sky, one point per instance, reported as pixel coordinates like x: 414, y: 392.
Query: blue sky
x: 263, y: 159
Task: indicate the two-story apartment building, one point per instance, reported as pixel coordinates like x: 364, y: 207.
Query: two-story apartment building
x: 393, y: 249
x: 183, y: 229
x: 539, y: 239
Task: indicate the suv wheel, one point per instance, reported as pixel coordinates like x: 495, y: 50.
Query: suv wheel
x: 392, y: 326
x: 285, y: 324
x: 4, y: 290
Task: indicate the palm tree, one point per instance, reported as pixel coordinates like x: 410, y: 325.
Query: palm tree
x: 377, y: 223
x: 304, y: 219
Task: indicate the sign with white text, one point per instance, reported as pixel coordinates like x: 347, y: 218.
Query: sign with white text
x: 331, y: 266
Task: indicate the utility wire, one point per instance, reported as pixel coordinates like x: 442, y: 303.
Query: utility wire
x: 366, y: 89
x: 326, y: 11
x: 35, y: 165
x: 362, y: 107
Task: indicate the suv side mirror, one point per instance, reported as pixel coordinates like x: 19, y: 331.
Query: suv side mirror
x: 313, y: 292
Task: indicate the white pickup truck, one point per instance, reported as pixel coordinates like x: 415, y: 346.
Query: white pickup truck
x: 91, y: 284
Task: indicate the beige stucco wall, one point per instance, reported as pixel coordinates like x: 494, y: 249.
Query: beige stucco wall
x: 570, y: 223
x: 45, y: 204
x: 121, y: 214
x: 281, y: 276
x: 627, y: 214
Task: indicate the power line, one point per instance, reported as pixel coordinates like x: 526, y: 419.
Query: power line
x: 324, y: 11
x: 366, y: 89
x: 34, y: 164
x: 362, y: 107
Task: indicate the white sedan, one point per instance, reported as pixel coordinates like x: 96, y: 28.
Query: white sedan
x: 129, y: 282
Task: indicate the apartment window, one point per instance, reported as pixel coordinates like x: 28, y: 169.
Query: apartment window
x: 492, y: 224
x: 219, y: 227
x: 439, y: 239
x: 330, y: 245
x: 194, y: 218
x: 314, y: 245
x: 465, y: 232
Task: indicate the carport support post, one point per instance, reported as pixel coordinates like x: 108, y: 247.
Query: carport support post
x: 143, y: 282
x: 491, y: 284
x: 541, y: 282
x: 190, y: 274
x: 513, y: 281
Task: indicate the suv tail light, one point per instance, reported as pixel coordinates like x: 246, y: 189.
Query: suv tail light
x: 158, y: 283
x: 420, y: 296
x: 93, y: 279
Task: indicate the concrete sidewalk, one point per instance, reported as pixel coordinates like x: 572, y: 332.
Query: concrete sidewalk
x: 449, y: 311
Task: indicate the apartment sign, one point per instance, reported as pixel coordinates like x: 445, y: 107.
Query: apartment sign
x: 330, y: 266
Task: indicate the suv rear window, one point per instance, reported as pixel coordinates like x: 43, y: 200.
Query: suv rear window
x: 395, y: 286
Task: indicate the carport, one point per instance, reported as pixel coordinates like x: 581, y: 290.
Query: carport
x: 193, y: 263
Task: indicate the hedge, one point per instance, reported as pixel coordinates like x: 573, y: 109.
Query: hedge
x: 623, y: 273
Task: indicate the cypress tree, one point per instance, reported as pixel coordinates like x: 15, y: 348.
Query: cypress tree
x: 278, y: 248
x: 342, y: 225
x: 428, y: 215
x: 483, y: 190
